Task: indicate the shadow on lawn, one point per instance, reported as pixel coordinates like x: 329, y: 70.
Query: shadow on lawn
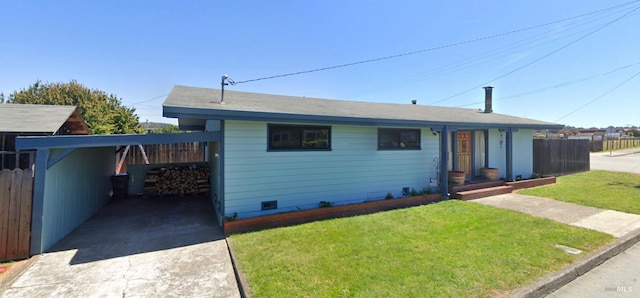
x: 625, y: 184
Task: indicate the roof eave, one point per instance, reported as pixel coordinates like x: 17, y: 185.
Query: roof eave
x: 216, y: 114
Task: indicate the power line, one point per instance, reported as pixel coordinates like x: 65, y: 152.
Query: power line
x: 436, y: 48
x: 538, y: 59
x: 145, y: 101
x: 599, y: 97
x: 556, y: 86
x: 465, y: 63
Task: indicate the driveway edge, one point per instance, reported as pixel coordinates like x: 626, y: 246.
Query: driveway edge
x: 243, y: 285
x: 555, y: 280
x: 12, y: 276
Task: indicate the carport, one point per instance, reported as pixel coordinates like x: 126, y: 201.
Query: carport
x: 72, y: 178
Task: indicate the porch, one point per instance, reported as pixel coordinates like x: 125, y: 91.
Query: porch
x: 480, y: 188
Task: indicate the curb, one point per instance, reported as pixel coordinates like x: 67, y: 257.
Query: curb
x: 620, y: 154
x: 555, y: 280
x: 7, y: 281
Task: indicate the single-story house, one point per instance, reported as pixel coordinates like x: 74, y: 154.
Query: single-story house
x: 272, y: 153
x: 34, y: 120
x: 284, y: 153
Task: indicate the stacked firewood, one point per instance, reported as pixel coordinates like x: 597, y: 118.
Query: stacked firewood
x: 178, y: 180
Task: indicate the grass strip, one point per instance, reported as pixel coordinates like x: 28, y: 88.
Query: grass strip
x: 607, y: 190
x: 448, y: 249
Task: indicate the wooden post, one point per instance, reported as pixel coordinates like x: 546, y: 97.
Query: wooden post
x: 144, y: 154
x: 122, y: 158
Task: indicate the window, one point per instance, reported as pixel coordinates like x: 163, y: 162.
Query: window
x: 297, y: 137
x: 398, y: 139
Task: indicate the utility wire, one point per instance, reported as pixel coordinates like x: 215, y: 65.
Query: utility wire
x: 465, y: 63
x: 599, y: 97
x: 436, y: 48
x: 540, y: 58
x: 556, y: 86
x: 145, y: 101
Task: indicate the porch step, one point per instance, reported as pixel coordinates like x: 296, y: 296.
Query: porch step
x: 483, y: 192
x: 476, y: 185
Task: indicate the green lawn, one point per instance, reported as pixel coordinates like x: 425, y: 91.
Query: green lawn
x: 448, y: 249
x: 607, y: 190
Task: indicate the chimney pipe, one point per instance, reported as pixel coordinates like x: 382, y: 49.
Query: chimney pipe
x: 488, y: 99
x: 413, y: 101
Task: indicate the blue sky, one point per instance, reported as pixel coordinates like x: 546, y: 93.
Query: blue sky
x: 582, y: 72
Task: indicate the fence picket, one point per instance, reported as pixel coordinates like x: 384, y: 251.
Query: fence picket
x: 167, y: 153
x: 16, y: 188
x: 560, y: 157
x: 14, y: 214
x: 24, y: 226
x: 5, y: 192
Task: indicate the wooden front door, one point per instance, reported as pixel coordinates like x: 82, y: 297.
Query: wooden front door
x: 464, y: 152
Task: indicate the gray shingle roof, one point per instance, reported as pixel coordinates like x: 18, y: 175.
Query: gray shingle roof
x: 193, y: 102
x: 29, y: 118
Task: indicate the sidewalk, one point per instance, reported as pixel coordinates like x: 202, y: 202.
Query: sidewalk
x: 615, y: 153
x: 624, y: 226
x: 618, y: 224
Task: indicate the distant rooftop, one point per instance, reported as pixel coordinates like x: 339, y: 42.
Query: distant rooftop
x: 28, y: 118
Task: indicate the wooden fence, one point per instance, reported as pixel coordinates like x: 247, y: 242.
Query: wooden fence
x: 560, y: 157
x: 167, y: 153
x: 16, y: 188
x: 620, y: 144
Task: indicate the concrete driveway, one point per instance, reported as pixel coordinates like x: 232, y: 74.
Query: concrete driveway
x: 136, y: 248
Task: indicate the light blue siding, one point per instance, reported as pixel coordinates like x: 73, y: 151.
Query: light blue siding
x: 497, y: 151
x: 75, y: 188
x: 353, y: 171
x: 523, y: 153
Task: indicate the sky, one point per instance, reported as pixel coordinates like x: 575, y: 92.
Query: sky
x: 570, y: 62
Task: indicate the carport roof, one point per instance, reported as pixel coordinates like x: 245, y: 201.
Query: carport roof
x: 192, y: 104
x: 52, y: 142
x: 31, y: 118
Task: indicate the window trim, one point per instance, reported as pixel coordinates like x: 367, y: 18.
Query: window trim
x: 400, y: 132
x: 304, y: 130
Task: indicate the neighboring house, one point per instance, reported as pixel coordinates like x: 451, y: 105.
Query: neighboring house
x: 283, y: 153
x: 34, y: 120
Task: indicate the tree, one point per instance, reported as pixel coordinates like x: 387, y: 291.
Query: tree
x: 104, y: 113
x: 166, y: 129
